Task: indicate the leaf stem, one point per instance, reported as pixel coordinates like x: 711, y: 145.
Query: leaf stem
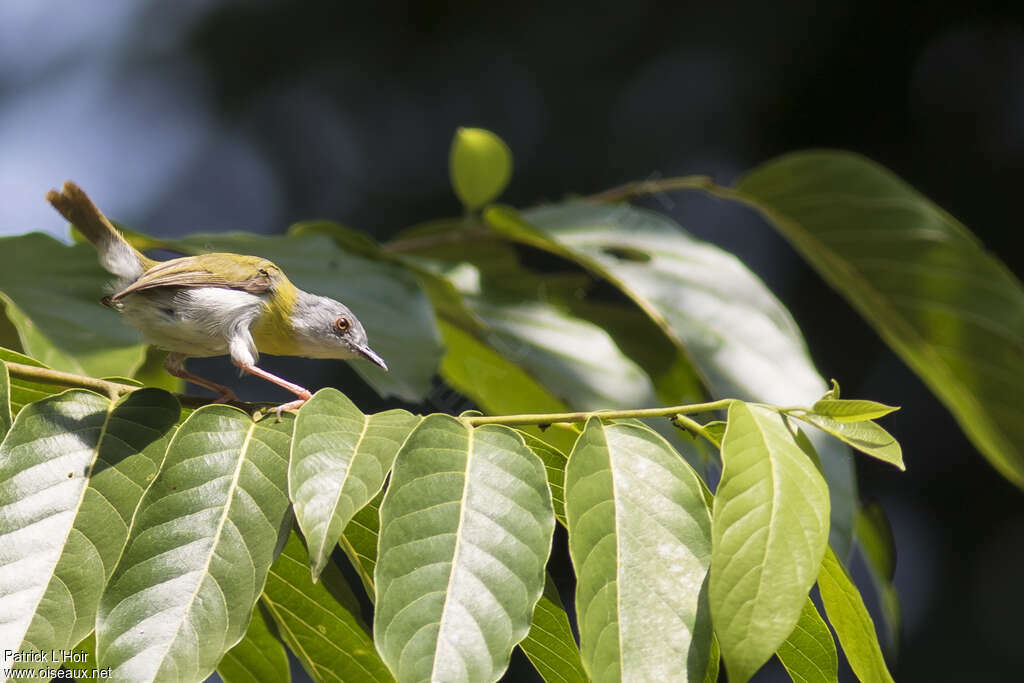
x: 67, y: 379
x: 643, y: 187
x: 549, y: 418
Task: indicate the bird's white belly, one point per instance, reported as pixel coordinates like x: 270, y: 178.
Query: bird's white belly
x: 200, y: 321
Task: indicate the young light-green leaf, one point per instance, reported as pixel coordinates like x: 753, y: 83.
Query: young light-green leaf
x: 320, y: 622
x: 465, y: 533
x: 480, y: 166
x: 852, y: 410
x: 809, y: 653
x: 339, y: 459
x: 550, y: 645
x: 72, y: 469
x: 867, y: 437
x: 639, y: 537
x: 554, y: 464
x: 260, y: 656
x: 769, y: 532
x: 949, y: 308
x: 204, y: 538
x: 849, y: 617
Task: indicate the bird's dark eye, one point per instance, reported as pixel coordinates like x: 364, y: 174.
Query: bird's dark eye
x: 263, y: 272
x: 342, y: 324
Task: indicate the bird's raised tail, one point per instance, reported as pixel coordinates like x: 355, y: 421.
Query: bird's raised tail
x: 116, y: 255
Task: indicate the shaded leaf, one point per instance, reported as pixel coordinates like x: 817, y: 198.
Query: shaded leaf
x: 554, y: 464
x: 320, y: 621
x: 204, y: 538
x: 851, y: 621
x: 480, y: 165
x: 769, y: 532
x: 5, y: 401
x: 339, y: 459
x: 466, y: 528
x: 844, y: 410
x: 639, y: 537
x: 259, y: 656
x: 874, y: 536
x: 550, y: 645
x: 72, y: 470
x: 359, y: 542
x: 51, y: 294
x: 952, y: 311
x: 809, y: 653
x: 741, y: 339
x: 22, y: 391
x: 867, y: 437
x: 387, y: 299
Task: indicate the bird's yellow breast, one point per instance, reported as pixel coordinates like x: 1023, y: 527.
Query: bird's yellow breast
x: 272, y: 330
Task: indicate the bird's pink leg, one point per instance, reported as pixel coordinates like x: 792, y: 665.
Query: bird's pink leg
x: 175, y: 365
x: 301, y: 392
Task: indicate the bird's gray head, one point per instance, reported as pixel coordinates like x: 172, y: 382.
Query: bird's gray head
x: 328, y: 329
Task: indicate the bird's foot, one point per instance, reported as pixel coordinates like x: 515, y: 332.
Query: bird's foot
x: 291, y: 405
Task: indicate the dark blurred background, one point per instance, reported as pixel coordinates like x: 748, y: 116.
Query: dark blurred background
x: 205, y: 116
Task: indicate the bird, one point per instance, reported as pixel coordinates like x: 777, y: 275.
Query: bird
x: 216, y: 304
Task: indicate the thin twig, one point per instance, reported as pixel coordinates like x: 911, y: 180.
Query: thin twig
x: 549, y: 418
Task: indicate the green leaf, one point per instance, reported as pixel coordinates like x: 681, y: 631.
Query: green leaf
x: 874, y: 536
x: 339, y: 460
x: 554, y: 464
x: 851, y: 621
x: 714, y: 662
x: 741, y: 339
x: 769, y: 533
x: 259, y: 656
x: 494, y: 383
x: 388, y: 300
x: 5, y: 401
x: 809, y: 653
x: 359, y: 542
x: 320, y: 621
x: 952, y: 311
x: 844, y: 410
x: 550, y: 645
x: 51, y: 294
x: 204, y: 538
x: 480, y: 166
x: 466, y: 528
x: 867, y: 437
x: 639, y: 537
x: 72, y: 469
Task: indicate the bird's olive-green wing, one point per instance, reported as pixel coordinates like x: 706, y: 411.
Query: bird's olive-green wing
x: 231, y: 271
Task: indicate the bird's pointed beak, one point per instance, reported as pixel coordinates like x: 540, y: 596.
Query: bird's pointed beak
x: 370, y: 355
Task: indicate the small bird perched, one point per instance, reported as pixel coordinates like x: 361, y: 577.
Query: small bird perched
x: 215, y: 304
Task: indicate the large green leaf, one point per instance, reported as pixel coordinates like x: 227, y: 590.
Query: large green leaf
x: 320, y: 621
x: 204, y: 538
x: 740, y: 338
x: 260, y: 656
x: 809, y: 653
x: 849, y: 617
x: 769, y: 533
x: 72, y: 469
x: 387, y: 298
x: 639, y: 536
x: 51, y: 294
x: 550, y: 645
x: 466, y: 528
x: 951, y: 310
x: 339, y: 460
